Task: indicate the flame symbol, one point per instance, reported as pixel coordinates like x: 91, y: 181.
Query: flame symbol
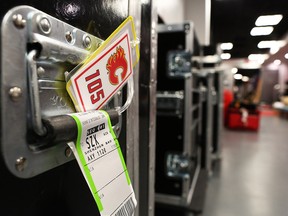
x: 115, y: 62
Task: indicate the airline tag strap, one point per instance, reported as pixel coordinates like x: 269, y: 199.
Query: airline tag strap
x: 99, y: 156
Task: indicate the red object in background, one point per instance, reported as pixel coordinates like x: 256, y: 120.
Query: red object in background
x: 228, y: 98
x: 234, y: 120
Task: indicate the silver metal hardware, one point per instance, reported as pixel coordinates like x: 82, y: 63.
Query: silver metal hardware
x: 40, y: 71
x: 35, y: 79
x: 69, y: 37
x: 18, y: 21
x: 20, y: 164
x: 15, y: 92
x: 36, y: 116
x: 87, y: 41
x: 179, y: 63
x: 170, y: 103
x: 178, y: 166
x: 68, y: 152
x: 45, y: 25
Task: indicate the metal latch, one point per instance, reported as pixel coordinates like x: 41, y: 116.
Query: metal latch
x: 178, y: 166
x: 36, y: 50
x: 170, y: 103
x: 179, y: 63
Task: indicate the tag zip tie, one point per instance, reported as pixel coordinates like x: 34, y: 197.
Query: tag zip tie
x: 135, y: 42
x: 130, y: 93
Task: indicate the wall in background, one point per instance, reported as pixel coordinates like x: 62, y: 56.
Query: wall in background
x: 171, y: 11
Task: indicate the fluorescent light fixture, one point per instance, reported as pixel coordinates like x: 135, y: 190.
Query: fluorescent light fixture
x: 257, y: 31
x: 245, y: 78
x: 268, y: 20
x: 238, y: 76
x: 266, y: 44
x: 270, y: 44
x: 211, y: 58
x: 260, y: 58
x: 254, y: 57
x: 234, y: 70
x: 226, y: 46
x: 225, y: 56
x: 274, y: 49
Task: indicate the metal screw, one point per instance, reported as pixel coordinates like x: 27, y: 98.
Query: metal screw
x: 15, y: 92
x: 21, y: 164
x: 40, y: 71
x: 45, y: 25
x: 98, y: 45
x: 18, y: 21
x: 87, y: 41
x: 68, y: 152
x: 69, y: 37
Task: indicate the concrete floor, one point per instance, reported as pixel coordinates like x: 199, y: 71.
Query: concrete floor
x: 252, y: 176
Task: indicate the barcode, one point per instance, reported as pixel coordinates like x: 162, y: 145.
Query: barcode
x: 127, y: 209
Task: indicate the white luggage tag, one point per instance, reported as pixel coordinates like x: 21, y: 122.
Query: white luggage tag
x: 100, y: 158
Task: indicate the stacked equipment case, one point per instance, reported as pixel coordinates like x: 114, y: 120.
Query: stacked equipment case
x: 180, y: 178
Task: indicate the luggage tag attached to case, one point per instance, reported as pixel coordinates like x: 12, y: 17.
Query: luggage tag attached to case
x: 91, y: 85
x: 99, y: 156
x: 94, y: 82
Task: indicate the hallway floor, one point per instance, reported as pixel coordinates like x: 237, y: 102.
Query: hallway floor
x: 251, y: 178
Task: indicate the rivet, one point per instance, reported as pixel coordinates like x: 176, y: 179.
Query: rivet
x: 21, y: 164
x: 45, y: 25
x: 40, y: 71
x: 15, y: 92
x: 68, y: 152
x: 98, y: 45
x: 87, y: 41
x: 69, y: 36
x: 19, y: 21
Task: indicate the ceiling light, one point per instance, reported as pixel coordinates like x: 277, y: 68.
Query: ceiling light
x: 245, y: 78
x: 234, y: 70
x: 257, y: 31
x: 254, y: 57
x: 226, y: 46
x: 238, y: 76
x: 266, y: 44
x: 260, y: 58
x: 286, y: 56
x: 268, y: 20
x: 270, y: 44
x: 277, y: 62
x: 274, y: 49
x: 225, y: 56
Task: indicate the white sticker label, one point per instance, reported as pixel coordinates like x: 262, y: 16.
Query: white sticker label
x: 96, y: 82
x: 99, y: 156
